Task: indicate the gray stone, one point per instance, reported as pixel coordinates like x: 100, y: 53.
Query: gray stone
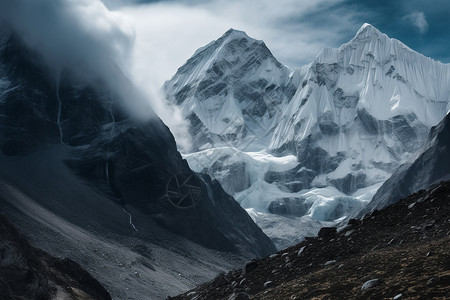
x: 370, y: 284
x: 327, y: 232
x: 300, y: 251
x: 249, y: 267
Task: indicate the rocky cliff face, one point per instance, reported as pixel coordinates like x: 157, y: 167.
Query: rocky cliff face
x: 350, y: 118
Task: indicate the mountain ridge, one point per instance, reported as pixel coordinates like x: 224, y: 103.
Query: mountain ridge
x: 350, y: 117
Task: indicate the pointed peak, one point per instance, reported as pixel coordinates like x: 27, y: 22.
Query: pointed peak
x: 230, y: 35
x: 234, y: 33
x: 368, y: 30
x: 367, y: 25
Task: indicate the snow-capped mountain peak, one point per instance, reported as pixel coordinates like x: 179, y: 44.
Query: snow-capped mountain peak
x: 236, y: 34
x: 231, y: 46
x: 230, y: 90
x: 373, y: 74
x: 369, y: 30
x: 369, y: 33
x: 350, y: 117
x: 230, y: 34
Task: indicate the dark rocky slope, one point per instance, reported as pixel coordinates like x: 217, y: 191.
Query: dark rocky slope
x: 432, y: 166
x: 405, y: 246
x: 133, y: 162
x: 30, y: 273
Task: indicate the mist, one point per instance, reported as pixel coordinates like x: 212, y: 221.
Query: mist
x: 87, y: 38
x: 80, y: 34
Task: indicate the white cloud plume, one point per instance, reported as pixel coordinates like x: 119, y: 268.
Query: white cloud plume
x: 418, y: 20
x: 85, y: 37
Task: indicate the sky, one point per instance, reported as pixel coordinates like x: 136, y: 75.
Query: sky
x: 294, y: 30
x: 150, y: 40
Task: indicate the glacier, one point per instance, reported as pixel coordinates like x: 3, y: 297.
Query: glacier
x: 308, y: 146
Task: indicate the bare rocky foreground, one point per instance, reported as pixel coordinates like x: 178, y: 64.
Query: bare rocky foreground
x: 400, y: 252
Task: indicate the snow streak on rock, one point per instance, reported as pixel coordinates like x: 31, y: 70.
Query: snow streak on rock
x: 108, y: 152
x: 58, y: 117
x: 130, y: 219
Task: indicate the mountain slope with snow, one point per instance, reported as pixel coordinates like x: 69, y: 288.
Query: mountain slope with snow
x: 350, y: 118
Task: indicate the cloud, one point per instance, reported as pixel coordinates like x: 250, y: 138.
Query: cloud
x: 82, y: 36
x: 95, y: 43
x: 419, y: 20
x: 294, y: 30
x: 68, y: 33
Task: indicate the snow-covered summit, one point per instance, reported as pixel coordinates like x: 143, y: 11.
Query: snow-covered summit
x: 230, y: 90
x: 231, y: 34
x: 229, y: 47
x: 372, y: 74
x: 368, y: 30
x: 236, y: 34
